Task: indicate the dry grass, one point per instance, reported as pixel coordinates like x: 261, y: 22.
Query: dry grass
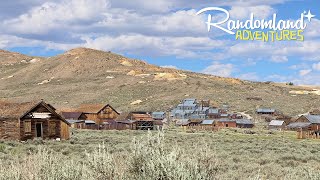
x: 227, y: 154
x: 83, y: 73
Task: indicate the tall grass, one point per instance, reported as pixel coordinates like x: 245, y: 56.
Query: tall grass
x: 167, y: 155
x: 149, y: 158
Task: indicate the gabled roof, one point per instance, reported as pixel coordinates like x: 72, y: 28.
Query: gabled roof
x: 298, y: 125
x: 10, y: 110
x: 20, y: 110
x: 276, y: 123
x: 314, y: 119
x: 244, y: 121
x: 94, y: 108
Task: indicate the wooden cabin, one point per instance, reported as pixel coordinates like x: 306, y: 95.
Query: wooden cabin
x: 98, y: 113
x: 314, y: 120
x: 135, y: 116
x: 269, y: 111
x: 226, y: 123
x: 276, y: 125
x: 244, y: 123
x: 23, y: 121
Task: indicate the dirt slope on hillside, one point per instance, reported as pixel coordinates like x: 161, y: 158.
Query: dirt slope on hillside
x: 90, y: 76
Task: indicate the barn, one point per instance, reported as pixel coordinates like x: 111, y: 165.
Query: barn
x: 98, y: 113
x: 314, y: 121
x: 23, y: 121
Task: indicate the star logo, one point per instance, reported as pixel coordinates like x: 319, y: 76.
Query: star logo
x: 309, y: 16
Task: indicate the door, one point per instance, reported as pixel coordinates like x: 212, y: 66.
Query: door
x: 39, y: 130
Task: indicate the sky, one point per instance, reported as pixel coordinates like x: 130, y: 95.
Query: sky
x: 167, y: 33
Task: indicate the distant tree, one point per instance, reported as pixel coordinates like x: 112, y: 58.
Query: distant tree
x: 290, y: 83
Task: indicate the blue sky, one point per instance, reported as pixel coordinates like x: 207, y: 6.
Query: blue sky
x: 166, y: 33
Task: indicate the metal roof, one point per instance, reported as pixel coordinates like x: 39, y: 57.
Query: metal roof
x: 72, y: 121
x: 315, y: 119
x: 298, y: 125
x: 244, y: 121
x: 90, y: 122
x: 158, y: 113
x: 276, y: 123
x: 187, y: 105
x: 266, y: 110
x: 207, y: 122
x: 213, y: 111
x: 226, y: 120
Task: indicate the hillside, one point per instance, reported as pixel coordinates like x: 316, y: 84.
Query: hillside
x: 90, y: 76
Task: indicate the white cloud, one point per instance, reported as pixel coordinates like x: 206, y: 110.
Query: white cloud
x: 182, y: 47
x: 304, y: 72
x: 313, y: 29
x: 252, y: 76
x: 224, y: 70
x: 316, y: 66
x: 279, y: 59
x: 261, y: 11
x: 51, y: 15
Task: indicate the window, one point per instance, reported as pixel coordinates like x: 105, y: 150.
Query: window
x: 27, y: 126
x: 227, y: 125
x: 52, y: 128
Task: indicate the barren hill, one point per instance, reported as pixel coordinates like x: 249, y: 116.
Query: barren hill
x: 90, y: 76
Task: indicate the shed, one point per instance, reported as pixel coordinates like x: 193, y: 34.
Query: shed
x: 22, y: 121
x: 276, y: 125
x: 265, y: 111
x: 158, y: 115
x: 78, y: 124
x: 226, y: 123
x: 299, y: 126
x: 208, y: 122
x: 313, y: 119
x: 91, y: 124
x: 244, y: 123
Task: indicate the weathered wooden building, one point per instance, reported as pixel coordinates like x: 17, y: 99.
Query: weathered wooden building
x: 314, y: 121
x: 244, y: 123
x: 228, y: 123
x: 98, y: 113
x: 276, y: 125
x: 269, y: 111
x: 22, y: 121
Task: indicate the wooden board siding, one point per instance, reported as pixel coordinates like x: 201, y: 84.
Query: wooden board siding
x: 9, y: 129
x: 45, y: 128
x: 108, y: 113
x: 226, y: 124
x: 105, y: 114
x: 65, y: 132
